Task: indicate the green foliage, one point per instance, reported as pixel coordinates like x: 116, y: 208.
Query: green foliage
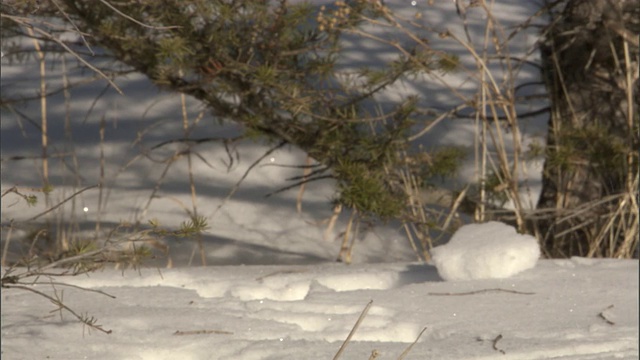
x: 438, y: 164
x: 133, y: 257
x: 31, y: 200
x: 85, y: 262
x: 496, y: 189
x: 366, y: 191
x: 196, y: 225
x: 604, y: 151
x: 189, y: 228
x: 446, y: 161
x: 47, y: 189
x: 81, y: 247
x: 448, y: 63
x: 535, y: 149
x: 175, y: 50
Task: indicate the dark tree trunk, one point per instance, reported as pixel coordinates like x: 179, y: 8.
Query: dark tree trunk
x: 590, y: 62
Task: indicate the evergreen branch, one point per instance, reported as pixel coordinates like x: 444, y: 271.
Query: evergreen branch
x: 25, y: 22
x: 136, y: 21
x: 319, y: 171
x: 298, y: 184
x: 57, y: 302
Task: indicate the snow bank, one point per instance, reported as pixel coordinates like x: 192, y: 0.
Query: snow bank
x: 485, y: 251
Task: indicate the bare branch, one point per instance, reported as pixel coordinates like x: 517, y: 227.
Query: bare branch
x: 136, y: 21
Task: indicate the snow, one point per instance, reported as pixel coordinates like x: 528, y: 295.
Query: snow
x: 561, y: 309
x: 491, y: 250
x: 272, y: 288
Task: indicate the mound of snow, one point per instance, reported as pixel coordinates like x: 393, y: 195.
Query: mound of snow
x: 485, y: 251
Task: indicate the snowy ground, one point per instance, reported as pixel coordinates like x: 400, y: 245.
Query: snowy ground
x: 561, y: 309
x: 280, y: 295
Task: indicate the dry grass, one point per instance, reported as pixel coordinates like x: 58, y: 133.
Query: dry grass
x: 499, y: 151
x: 605, y: 225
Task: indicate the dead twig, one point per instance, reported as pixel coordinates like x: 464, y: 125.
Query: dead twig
x: 481, y: 292
x: 408, y: 349
x: 604, y: 317
x: 353, y: 330
x: 202, y: 332
x: 282, y: 272
x: 494, y: 344
x: 235, y: 188
x: 61, y: 203
x: 136, y: 21
x: 26, y: 22
x: 89, y: 321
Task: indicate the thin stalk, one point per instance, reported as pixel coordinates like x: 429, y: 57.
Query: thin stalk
x: 43, y: 112
x: 353, y: 330
x: 192, y: 184
x: 345, y: 254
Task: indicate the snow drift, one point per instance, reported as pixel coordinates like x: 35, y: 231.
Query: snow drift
x: 485, y: 251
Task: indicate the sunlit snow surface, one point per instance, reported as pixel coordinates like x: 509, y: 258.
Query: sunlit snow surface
x: 561, y: 309
x: 485, y: 251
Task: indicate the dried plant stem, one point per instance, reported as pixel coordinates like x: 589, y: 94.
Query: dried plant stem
x: 454, y: 207
x: 305, y: 176
x: 353, y: 330
x: 26, y: 22
x: 58, y: 302
x: 235, y: 188
x: 408, y: 349
x: 192, y: 185
x: 43, y: 110
x: 481, y: 292
x: 202, y: 332
x: 65, y: 241
x: 349, y: 234
x: 5, y: 249
x: 159, y: 182
x: 102, y: 177
x: 337, y: 209
x: 418, y: 215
